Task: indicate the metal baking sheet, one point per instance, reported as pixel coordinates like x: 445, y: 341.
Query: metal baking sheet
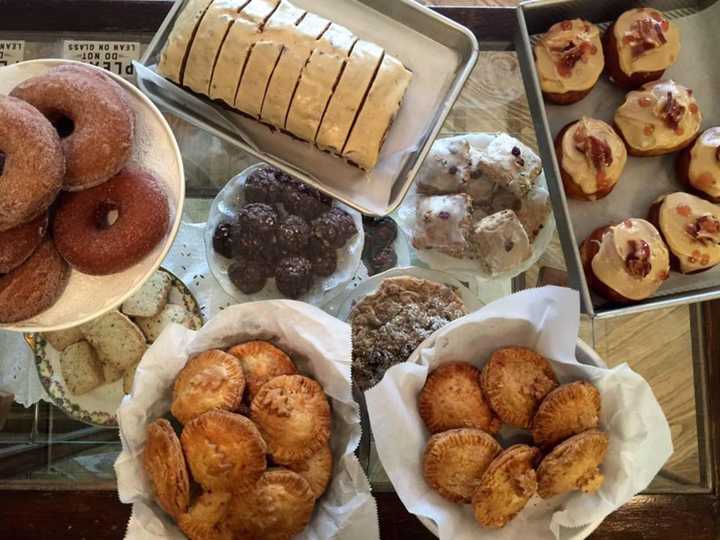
x: 644, y: 178
x: 439, y: 52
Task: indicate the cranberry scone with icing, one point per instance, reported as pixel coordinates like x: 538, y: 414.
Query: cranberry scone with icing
x: 592, y: 157
x: 698, y: 166
x: 569, y: 60
x: 627, y: 262
x: 291, y: 69
x: 690, y: 227
x: 660, y: 118
x: 639, y: 47
x: 443, y: 224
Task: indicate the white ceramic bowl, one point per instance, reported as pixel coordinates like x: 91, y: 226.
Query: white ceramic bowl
x: 87, y: 297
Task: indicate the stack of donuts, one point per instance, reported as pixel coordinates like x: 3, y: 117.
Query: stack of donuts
x: 69, y: 196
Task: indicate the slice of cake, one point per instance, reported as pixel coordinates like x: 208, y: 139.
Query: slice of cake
x: 378, y: 113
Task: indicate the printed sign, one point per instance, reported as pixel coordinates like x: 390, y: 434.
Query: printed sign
x: 11, y: 52
x: 115, y: 56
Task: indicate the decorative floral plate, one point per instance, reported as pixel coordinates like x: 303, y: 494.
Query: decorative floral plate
x: 98, y: 406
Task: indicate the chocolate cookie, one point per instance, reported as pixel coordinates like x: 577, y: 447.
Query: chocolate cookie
x: 293, y: 276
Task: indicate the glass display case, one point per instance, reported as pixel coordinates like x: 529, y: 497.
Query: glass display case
x: 58, y: 472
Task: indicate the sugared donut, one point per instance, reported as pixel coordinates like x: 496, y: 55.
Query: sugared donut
x: 33, y: 286
x: 17, y: 244
x: 111, y: 227
x: 92, y: 117
x: 32, y: 164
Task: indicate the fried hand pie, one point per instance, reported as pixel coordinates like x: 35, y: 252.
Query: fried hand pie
x: 455, y: 461
x: 506, y: 486
x: 293, y: 416
x: 261, y: 361
x: 573, y: 464
x: 567, y: 410
x: 317, y: 470
x: 210, y: 380
x: 278, y: 507
x: 164, y: 463
x: 515, y: 380
x: 206, y: 518
x: 225, y: 451
x: 452, y: 398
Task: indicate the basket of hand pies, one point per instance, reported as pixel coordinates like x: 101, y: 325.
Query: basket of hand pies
x: 269, y: 236
x: 480, y: 207
x: 513, y: 426
x: 246, y: 428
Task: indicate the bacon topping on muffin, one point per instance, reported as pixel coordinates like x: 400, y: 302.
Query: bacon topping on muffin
x: 596, y: 150
x: 672, y: 112
x: 706, y: 229
x: 637, y: 260
x: 646, y: 34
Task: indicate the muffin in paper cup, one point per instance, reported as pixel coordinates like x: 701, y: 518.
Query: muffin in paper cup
x: 224, y: 208
x: 547, y: 321
x: 320, y: 347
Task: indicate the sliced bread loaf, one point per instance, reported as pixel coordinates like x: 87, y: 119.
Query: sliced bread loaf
x: 151, y: 298
x: 62, y: 339
x: 80, y: 368
x: 152, y: 327
x: 129, y: 378
x: 116, y: 339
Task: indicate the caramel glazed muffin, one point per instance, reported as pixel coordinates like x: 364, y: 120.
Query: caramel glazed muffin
x: 698, y: 166
x: 627, y: 262
x: 569, y: 60
x: 690, y: 227
x: 592, y: 158
x: 660, y: 118
x: 639, y: 46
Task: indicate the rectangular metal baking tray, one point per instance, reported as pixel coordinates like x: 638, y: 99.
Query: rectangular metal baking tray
x: 535, y: 17
x: 396, y: 25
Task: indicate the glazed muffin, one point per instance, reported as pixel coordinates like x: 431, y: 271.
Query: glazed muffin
x: 690, y: 227
x: 627, y: 262
x: 591, y: 156
x: 698, y: 166
x: 569, y: 60
x: 660, y: 118
x: 639, y: 47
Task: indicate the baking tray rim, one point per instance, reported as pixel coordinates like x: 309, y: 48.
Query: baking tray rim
x: 466, y: 65
x: 568, y: 240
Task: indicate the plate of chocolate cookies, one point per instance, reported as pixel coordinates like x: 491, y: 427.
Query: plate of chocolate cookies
x: 270, y: 236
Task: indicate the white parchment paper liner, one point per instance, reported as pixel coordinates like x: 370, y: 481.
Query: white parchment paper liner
x: 321, y: 348
x: 545, y: 319
x: 225, y: 207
